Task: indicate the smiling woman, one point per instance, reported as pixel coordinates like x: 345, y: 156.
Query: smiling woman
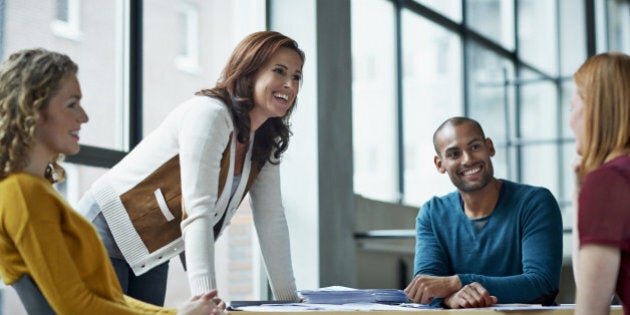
x: 57, y: 130
x: 47, y: 251
x: 181, y: 186
x: 277, y: 85
x: 30, y: 101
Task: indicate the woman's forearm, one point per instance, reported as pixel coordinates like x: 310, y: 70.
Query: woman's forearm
x: 597, y: 277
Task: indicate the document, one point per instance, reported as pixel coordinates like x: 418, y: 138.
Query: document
x: 344, y: 295
x: 296, y: 307
x: 337, y: 298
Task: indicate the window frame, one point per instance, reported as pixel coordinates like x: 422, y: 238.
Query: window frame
x: 516, y: 144
x: 70, y: 29
x: 189, y: 60
x: 102, y: 157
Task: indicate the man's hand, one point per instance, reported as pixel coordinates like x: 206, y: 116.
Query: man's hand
x: 423, y: 289
x: 471, y: 295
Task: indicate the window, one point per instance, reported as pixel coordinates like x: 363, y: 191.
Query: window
x: 504, y: 63
x: 536, y: 34
x: 66, y: 22
x: 187, y: 58
x: 432, y: 91
x: 618, y: 25
x: 494, y: 19
x: 374, y: 100
x: 63, y: 14
x: 490, y: 91
x: 450, y: 8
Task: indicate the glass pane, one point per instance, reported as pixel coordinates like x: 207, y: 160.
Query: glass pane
x: 512, y: 164
x: 432, y: 92
x: 491, y: 93
x: 567, y: 90
x: 374, y: 100
x: 182, y: 27
x: 538, y: 108
x: 537, y: 40
x: 491, y: 102
x: 569, y: 156
x: 450, y: 8
x: 94, y: 43
x: 62, y: 10
x: 170, y: 78
x: 493, y: 19
x: 619, y: 25
x: 540, y: 166
x: 572, y: 36
x: 501, y: 161
x: 568, y: 181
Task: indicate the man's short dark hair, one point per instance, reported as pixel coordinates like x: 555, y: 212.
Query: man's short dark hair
x: 456, y: 121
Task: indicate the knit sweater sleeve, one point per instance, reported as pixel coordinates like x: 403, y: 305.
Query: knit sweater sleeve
x: 541, y: 230
x: 273, y: 232
x: 430, y: 257
x: 141, y: 306
x: 203, y: 136
x: 38, y: 232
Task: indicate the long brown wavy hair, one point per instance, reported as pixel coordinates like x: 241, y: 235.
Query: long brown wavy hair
x: 603, y: 83
x: 235, y: 89
x: 28, y: 80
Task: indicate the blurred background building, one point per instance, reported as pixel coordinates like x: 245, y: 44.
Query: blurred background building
x: 380, y: 76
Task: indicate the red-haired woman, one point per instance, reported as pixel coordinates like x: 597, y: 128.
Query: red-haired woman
x: 600, y: 119
x: 179, y: 188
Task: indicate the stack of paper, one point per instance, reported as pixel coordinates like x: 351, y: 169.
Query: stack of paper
x: 343, y: 295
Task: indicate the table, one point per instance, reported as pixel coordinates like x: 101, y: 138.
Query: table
x: 564, y: 310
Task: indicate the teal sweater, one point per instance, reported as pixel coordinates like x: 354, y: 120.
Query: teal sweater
x: 516, y: 256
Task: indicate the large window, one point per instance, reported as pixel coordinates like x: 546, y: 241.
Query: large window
x: 374, y: 92
x: 508, y: 64
x: 431, y: 74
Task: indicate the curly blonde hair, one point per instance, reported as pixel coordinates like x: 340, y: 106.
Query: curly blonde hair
x: 28, y: 80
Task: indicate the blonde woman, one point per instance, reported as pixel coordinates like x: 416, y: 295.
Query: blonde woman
x: 600, y: 119
x: 48, y: 252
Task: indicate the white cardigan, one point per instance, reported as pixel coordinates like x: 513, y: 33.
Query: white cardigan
x: 199, y: 131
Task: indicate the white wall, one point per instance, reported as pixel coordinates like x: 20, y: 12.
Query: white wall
x: 299, y: 167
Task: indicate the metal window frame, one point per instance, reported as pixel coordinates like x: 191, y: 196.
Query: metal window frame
x: 469, y: 36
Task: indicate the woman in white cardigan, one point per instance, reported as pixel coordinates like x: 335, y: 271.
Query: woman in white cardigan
x: 178, y: 189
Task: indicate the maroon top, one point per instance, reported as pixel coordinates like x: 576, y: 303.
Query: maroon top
x: 604, y: 216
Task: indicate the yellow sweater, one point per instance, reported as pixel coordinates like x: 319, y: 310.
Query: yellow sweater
x: 42, y: 236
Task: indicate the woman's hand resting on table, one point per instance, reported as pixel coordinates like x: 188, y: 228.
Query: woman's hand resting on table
x: 206, y: 304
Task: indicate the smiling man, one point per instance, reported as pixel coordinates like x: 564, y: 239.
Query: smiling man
x: 491, y: 241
